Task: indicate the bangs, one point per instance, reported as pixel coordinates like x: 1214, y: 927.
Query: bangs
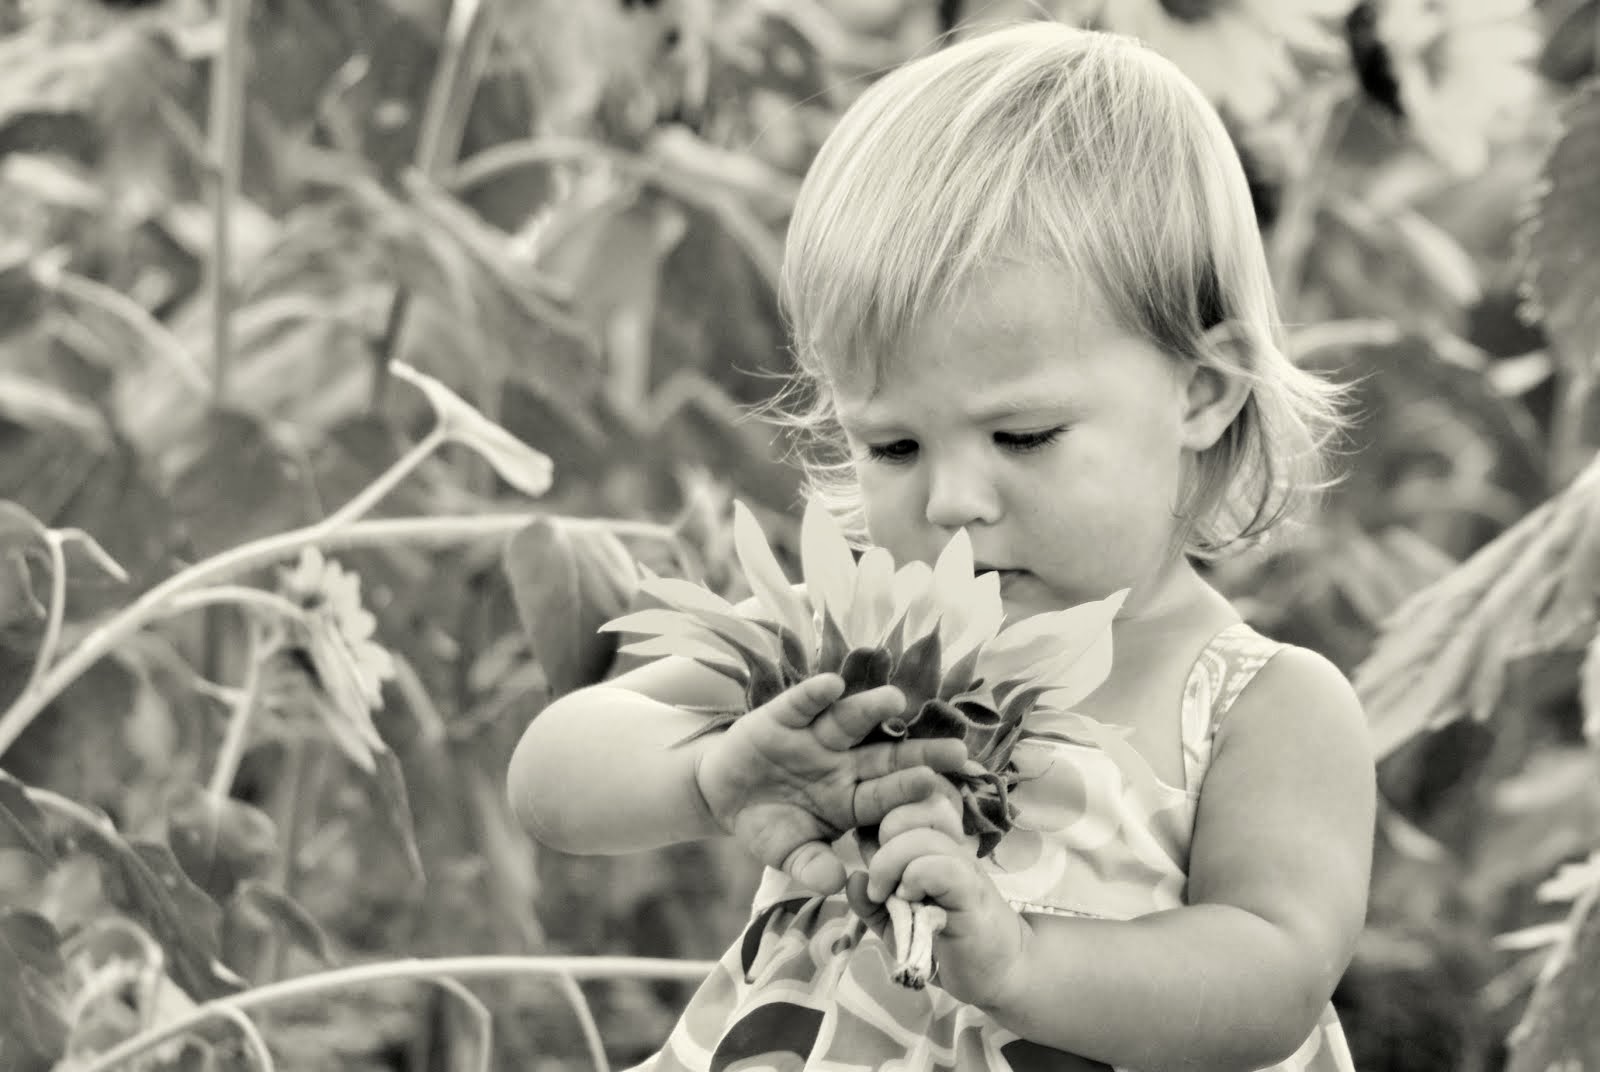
x: 1028, y: 145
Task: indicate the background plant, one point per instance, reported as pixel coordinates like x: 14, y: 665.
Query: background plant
x: 224, y: 224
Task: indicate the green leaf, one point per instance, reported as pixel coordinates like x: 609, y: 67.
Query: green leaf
x: 524, y: 468
x: 219, y: 844
x: 1561, y: 239
x: 566, y: 588
x: 395, y: 806
x: 21, y: 822
x: 33, y: 1001
x: 144, y: 880
x: 22, y: 300
x: 768, y: 583
x: 865, y: 668
x: 270, y: 907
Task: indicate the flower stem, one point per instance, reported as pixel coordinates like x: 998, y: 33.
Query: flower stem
x: 226, y: 135
x: 156, y: 335
x: 915, y: 926
x: 450, y: 967
x: 231, y: 563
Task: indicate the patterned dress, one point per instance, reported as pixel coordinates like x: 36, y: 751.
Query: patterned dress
x: 808, y: 987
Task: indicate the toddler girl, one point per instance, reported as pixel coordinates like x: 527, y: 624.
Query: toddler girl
x: 1027, y: 287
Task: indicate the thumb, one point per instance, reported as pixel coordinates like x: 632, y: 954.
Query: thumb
x: 815, y: 866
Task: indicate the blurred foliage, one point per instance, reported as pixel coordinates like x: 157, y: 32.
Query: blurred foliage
x: 220, y: 227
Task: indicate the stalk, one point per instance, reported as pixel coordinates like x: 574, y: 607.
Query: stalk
x: 914, y: 927
x: 226, y: 135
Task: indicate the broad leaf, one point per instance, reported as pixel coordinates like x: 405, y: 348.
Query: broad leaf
x: 21, y: 822
x: 1562, y: 237
x: 220, y: 844
x: 33, y: 1001
x: 144, y: 880
x: 266, y: 907
x: 566, y: 586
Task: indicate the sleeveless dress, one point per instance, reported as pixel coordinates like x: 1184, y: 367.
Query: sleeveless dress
x: 808, y: 986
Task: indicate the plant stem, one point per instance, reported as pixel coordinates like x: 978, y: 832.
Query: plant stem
x: 58, y: 603
x: 232, y: 750
x: 226, y: 123
x: 374, y: 493
x: 453, y: 967
x: 231, y: 563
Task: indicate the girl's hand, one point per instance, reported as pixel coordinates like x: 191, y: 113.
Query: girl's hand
x: 785, y: 780
x: 924, y: 856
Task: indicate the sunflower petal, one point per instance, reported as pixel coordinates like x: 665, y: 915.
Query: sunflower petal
x: 916, y: 674
x: 687, y: 647
x: 766, y: 577
x: 872, y: 601
x: 826, y: 561
x: 684, y: 595
x: 833, y: 646
x: 981, y: 617
x: 952, y: 574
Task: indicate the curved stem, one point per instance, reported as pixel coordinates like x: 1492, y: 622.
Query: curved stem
x: 374, y: 492
x: 456, y: 967
x: 58, y: 604
x: 260, y: 1056
x: 231, y: 563
x: 591, y: 1030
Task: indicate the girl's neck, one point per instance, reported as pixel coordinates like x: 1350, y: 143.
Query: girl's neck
x: 1176, y: 599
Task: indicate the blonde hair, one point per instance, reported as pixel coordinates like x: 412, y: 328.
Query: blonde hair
x: 1071, y: 147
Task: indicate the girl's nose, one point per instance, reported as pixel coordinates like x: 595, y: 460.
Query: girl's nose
x: 959, y: 495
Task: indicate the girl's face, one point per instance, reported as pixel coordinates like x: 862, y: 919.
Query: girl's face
x: 1025, y: 414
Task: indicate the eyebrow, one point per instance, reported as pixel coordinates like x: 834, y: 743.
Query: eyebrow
x: 986, y: 412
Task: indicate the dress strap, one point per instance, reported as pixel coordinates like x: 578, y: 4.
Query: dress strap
x: 1228, y: 662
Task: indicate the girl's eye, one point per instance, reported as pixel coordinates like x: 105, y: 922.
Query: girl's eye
x: 1027, y: 442
x: 899, y: 451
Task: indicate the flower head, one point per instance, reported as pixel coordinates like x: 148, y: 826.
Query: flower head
x: 935, y: 633
x: 1241, y: 53
x: 348, y: 667
x: 1458, y: 71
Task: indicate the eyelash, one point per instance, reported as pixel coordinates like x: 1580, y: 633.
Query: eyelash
x: 1016, y: 442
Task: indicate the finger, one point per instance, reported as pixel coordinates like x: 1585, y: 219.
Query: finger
x: 799, y: 705
x: 935, y: 812
x: 886, y: 872
x: 848, y: 721
x: 875, y: 798
x: 938, y: 753
x: 815, y: 866
x: 870, y: 912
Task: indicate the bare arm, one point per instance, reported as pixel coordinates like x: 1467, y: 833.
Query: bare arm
x: 1277, y: 888
x: 603, y: 770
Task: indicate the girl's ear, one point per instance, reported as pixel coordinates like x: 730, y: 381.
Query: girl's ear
x: 1216, y: 391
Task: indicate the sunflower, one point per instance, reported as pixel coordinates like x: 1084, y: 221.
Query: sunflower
x: 936, y: 633
x: 1460, y: 72
x: 335, y: 645
x: 1241, y: 53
